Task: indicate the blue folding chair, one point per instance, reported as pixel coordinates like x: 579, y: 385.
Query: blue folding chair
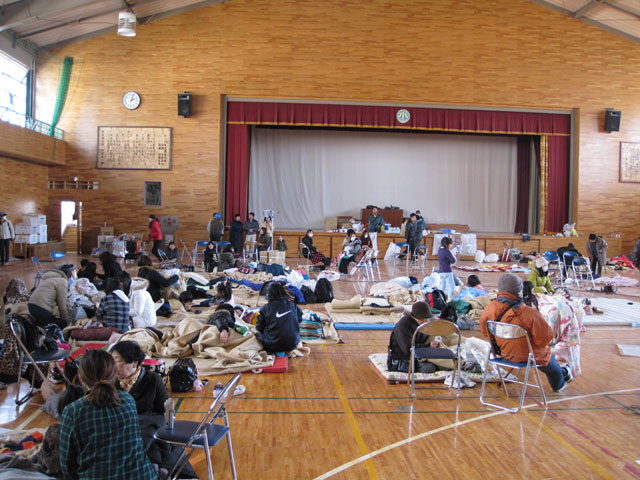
x: 402, y: 245
x: 39, y: 271
x: 555, y: 264
x: 199, y: 243
x: 202, y: 435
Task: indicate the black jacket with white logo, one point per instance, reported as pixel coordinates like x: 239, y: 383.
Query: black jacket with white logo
x: 279, y: 324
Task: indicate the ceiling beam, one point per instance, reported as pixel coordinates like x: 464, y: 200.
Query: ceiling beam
x: 585, y: 8
x: 32, y: 11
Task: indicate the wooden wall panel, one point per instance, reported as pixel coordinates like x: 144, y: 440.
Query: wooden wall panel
x: 504, y: 53
x: 24, y: 144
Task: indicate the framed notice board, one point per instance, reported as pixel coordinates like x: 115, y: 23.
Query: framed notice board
x: 134, y: 148
x: 630, y: 162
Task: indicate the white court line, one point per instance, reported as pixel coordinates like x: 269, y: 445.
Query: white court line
x: 29, y: 419
x: 366, y: 457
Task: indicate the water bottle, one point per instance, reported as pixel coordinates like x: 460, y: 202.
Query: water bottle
x: 169, y: 412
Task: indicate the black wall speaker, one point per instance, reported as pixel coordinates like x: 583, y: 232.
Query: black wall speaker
x: 612, y: 120
x: 184, y: 104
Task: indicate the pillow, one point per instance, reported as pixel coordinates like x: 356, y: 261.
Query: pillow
x: 86, y: 334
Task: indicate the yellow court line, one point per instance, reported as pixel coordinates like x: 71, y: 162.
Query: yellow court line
x: 413, y: 438
x: 350, y: 416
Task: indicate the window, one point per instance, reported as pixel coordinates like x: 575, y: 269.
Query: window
x: 13, y: 90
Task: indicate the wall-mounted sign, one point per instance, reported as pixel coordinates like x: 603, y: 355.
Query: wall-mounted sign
x: 403, y: 115
x: 134, y: 148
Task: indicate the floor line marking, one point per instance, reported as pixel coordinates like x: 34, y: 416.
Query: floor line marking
x: 400, y: 443
x: 29, y: 419
x: 351, y: 418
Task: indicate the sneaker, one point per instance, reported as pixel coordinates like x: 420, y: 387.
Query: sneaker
x: 561, y: 388
x: 217, y: 389
x: 567, y: 371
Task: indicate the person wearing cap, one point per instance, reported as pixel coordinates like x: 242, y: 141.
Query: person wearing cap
x: 510, y: 307
x: 215, y: 227
x: 7, y: 234
x: 539, y: 276
x: 597, y: 252
x: 400, y: 340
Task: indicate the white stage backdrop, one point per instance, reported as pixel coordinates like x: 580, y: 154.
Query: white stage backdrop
x: 307, y: 175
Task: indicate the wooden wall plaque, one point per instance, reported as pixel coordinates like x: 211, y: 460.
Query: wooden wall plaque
x: 630, y: 162
x: 134, y: 148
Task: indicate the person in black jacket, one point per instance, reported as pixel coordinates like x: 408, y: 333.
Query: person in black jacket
x: 235, y: 233
x: 87, y: 270
x: 278, y: 322
x: 311, y: 252
x: 172, y: 251
x: 110, y: 266
x: 225, y: 322
x: 210, y: 257
x: 400, y: 340
x: 156, y: 280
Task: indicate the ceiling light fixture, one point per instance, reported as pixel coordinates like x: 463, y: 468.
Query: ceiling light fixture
x: 127, y: 24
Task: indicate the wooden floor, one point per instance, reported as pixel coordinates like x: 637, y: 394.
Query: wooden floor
x: 332, y: 416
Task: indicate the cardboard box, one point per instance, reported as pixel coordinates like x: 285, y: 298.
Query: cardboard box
x: 26, y: 229
x: 28, y: 239
x: 35, y: 219
x: 264, y: 257
x: 42, y: 230
x: 42, y: 238
x: 106, y: 230
x: 331, y: 223
x: 276, y: 256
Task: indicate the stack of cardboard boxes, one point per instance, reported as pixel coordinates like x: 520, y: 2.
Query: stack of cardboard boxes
x: 32, y: 229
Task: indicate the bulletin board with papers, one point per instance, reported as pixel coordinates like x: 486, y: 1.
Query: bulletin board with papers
x: 134, y: 148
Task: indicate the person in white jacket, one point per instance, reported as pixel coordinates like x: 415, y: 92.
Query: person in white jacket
x: 7, y: 234
x: 142, y: 310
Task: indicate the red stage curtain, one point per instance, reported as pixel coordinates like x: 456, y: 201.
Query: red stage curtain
x: 523, y: 174
x: 443, y: 119
x: 237, y: 171
x: 558, y: 198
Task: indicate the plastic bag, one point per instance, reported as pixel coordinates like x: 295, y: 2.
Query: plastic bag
x: 480, y: 255
x: 392, y: 251
x: 491, y: 258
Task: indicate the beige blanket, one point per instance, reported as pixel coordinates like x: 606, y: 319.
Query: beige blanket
x: 361, y: 318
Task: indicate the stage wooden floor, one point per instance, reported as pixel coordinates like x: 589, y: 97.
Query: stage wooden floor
x: 332, y: 416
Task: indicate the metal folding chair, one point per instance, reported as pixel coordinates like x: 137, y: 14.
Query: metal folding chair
x: 582, y: 271
x: 35, y: 358
x: 510, y: 332
x: 196, y: 252
x: 165, y: 263
x: 416, y: 256
x: 57, y: 256
x: 202, y: 435
x: 302, y: 248
x: 186, y: 250
x: 555, y: 264
x: 567, y: 262
x: 39, y: 271
x: 436, y: 328
x: 250, y: 249
x: 401, y: 245
x: 367, y: 265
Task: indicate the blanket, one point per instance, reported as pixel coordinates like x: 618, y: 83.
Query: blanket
x: 498, y: 267
x: 354, y: 306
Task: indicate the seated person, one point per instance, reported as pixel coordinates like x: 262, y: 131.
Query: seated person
x: 99, y: 433
x: 399, y: 354
x: 224, y: 294
x: 113, y: 310
x: 351, y: 246
x: 365, y: 240
x: 146, y: 387
x: 281, y: 245
x: 172, y: 251
x: 210, y: 257
x: 539, y: 276
x: 156, y: 280
x: 51, y: 292
x: 278, y: 322
x: 186, y: 298
x: 473, y: 289
x: 227, y: 259
x: 528, y: 295
x: 567, y: 261
x: 311, y: 252
x: 87, y: 270
x: 110, y: 266
x: 509, y: 308
x: 142, y: 310
x: 264, y: 240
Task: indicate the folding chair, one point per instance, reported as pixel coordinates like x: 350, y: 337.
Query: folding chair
x: 302, y: 248
x: 186, y: 250
x: 35, y: 358
x: 57, y: 256
x: 567, y: 259
x: 165, y: 263
x: 219, y: 247
x: 510, y: 332
x: 250, y: 249
x: 416, y: 256
x: 582, y: 271
x: 367, y: 265
x: 401, y: 245
x: 199, y: 243
x: 39, y: 272
x: 554, y: 261
x: 203, y: 435
x: 436, y: 328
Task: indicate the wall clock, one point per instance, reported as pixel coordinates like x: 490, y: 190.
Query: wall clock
x: 131, y: 100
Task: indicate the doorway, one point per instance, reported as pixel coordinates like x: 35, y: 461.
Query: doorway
x: 71, y: 225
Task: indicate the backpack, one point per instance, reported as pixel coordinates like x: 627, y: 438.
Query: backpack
x: 437, y: 299
x: 449, y: 313
x: 182, y: 375
x: 309, y: 296
x: 324, y: 291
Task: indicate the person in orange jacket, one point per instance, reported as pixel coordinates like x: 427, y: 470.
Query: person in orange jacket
x: 509, y: 304
x: 155, y: 234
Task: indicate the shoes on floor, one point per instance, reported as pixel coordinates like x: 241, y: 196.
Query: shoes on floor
x: 567, y: 371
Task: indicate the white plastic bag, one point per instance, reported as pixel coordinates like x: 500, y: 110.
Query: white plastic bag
x: 480, y: 256
x: 392, y: 251
x: 491, y: 258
